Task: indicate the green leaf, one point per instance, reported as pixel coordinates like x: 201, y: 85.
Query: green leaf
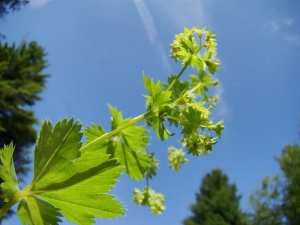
x: 134, y: 162
x: 199, y: 144
x: 81, y: 202
x: 129, y: 146
x: 65, y: 178
x: 179, y: 97
x: 9, y: 186
x: 158, y: 103
x: 93, y: 132
x: 36, y: 211
x: 162, y: 99
x: 218, y: 127
x: 160, y: 128
x: 151, y: 171
x: 148, y: 83
x: 196, y: 116
x: 55, y: 150
x: 212, y: 66
x: 178, y: 88
x: 202, y: 83
x: 158, y: 98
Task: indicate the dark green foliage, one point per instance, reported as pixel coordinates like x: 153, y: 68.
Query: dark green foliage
x: 7, y: 5
x: 290, y: 165
x: 277, y: 201
x: 21, y: 82
x: 216, y: 203
x: 266, y: 203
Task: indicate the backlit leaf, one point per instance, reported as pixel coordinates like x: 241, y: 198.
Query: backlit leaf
x: 68, y: 181
x: 9, y: 186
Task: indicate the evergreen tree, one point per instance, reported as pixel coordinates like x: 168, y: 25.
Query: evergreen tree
x: 21, y: 82
x: 216, y: 203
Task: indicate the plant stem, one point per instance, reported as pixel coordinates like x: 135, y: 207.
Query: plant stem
x: 133, y: 121
x: 117, y: 130
x: 178, y: 120
x: 8, y: 205
x: 195, y: 88
x: 181, y: 121
x: 177, y: 77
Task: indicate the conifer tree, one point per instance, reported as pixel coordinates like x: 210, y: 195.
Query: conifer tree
x: 217, y: 202
x: 21, y: 82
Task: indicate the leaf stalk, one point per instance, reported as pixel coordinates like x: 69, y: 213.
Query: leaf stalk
x: 177, y: 77
x: 118, y: 130
x: 9, y: 204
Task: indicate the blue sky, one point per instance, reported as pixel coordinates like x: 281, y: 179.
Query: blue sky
x: 97, y: 51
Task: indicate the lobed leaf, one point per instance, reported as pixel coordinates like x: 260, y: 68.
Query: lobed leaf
x: 67, y: 179
x: 157, y: 103
x: 158, y: 98
x: 9, y: 186
x: 54, y: 153
x: 202, y: 83
x: 94, y: 132
x: 129, y: 146
x: 36, y: 211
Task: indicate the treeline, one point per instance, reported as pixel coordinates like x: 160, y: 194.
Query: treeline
x: 275, y: 202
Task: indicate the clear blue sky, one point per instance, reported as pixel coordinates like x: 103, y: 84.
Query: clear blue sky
x: 97, y: 51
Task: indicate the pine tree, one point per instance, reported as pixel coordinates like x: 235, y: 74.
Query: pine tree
x: 21, y: 82
x: 216, y: 203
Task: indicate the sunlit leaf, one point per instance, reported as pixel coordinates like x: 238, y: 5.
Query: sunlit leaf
x: 9, y: 186
x: 129, y: 146
x: 67, y: 181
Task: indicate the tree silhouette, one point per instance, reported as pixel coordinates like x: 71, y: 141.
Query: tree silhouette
x: 216, y: 202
